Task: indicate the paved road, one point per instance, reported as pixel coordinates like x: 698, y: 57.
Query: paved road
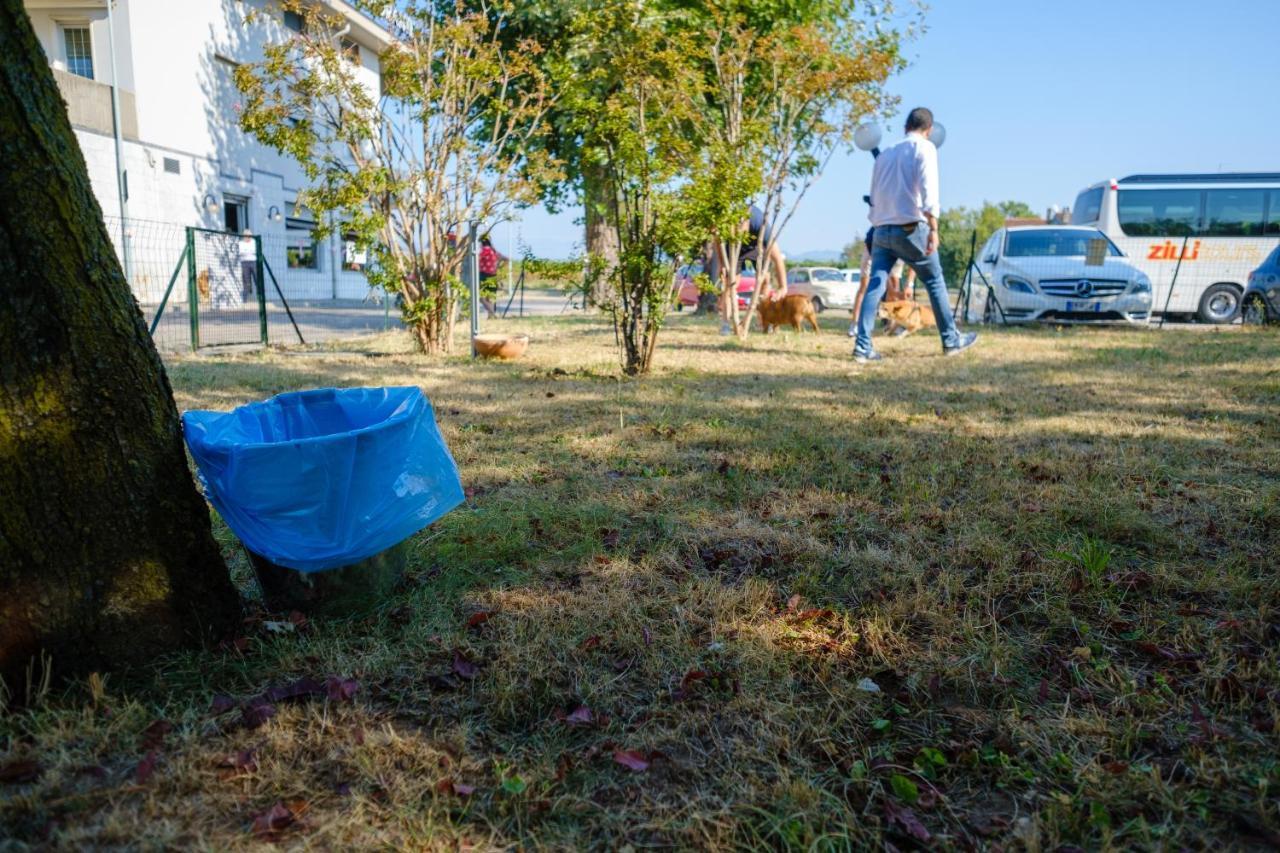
x: 317, y: 320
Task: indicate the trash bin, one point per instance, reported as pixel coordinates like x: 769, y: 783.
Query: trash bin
x: 330, y: 481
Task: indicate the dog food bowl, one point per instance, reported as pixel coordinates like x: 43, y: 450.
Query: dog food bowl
x: 505, y: 347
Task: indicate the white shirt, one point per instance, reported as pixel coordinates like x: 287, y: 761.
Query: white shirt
x: 904, y: 182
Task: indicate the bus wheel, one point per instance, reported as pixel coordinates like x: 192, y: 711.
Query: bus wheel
x: 1254, y: 312
x: 1220, y: 303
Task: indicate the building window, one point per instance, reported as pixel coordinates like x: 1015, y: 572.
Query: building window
x: 79, y: 50
x: 235, y: 213
x: 354, y: 257
x: 300, y: 242
x: 351, y: 51
x: 295, y: 21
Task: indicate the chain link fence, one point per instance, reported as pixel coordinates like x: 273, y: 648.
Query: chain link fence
x: 200, y: 288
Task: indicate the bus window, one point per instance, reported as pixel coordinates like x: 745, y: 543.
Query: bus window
x: 1159, y: 213
x: 1234, y: 213
x: 1088, y: 207
x: 1273, y: 216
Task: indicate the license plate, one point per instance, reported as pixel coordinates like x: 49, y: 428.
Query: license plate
x: 1084, y: 306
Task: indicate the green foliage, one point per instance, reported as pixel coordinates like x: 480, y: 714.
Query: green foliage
x: 958, y: 226
x: 450, y: 140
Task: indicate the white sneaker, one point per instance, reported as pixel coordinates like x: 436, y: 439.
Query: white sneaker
x: 725, y: 329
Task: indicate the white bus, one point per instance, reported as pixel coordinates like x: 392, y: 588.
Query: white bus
x: 1231, y: 223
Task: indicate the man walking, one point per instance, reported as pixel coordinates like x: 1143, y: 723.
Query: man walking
x: 904, y: 212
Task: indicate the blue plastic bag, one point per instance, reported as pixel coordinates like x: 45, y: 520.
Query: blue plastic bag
x: 313, y: 480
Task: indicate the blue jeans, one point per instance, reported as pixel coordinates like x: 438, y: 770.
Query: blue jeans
x: 891, y: 243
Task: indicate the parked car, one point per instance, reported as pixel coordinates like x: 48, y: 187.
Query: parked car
x: 1261, y: 298
x: 827, y: 287
x: 1037, y: 272
x: 689, y: 295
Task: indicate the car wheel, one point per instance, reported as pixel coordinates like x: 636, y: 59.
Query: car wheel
x: 1219, y: 304
x: 1254, y: 312
x: 817, y: 305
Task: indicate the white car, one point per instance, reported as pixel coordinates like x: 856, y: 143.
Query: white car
x: 827, y: 287
x: 1055, y: 273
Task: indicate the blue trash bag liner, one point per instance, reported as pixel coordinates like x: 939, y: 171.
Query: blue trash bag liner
x: 314, y: 480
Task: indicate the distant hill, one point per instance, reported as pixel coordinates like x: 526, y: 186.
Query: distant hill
x: 824, y: 256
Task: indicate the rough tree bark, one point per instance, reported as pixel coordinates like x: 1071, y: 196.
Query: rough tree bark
x: 106, y: 552
x: 601, y: 234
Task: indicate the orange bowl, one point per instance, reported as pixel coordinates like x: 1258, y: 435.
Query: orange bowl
x: 505, y: 347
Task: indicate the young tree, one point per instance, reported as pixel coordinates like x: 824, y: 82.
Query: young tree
x: 789, y: 91
x: 639, y: 130
x: 449, y: 142
x: 106, y: 553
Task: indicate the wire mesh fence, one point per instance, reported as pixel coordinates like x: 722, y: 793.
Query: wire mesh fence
x: 202, y: 288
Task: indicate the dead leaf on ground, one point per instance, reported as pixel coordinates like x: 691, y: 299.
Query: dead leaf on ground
x: 20, y: 772
x: 907, y: 820
x: 153, y: 735
x: 479, y: 618
x: 274, y: 821
x: 146, y: 767
x: 581, y: 716
x: 464, y: 668
x: 339, y: 689
x: 632, y: 759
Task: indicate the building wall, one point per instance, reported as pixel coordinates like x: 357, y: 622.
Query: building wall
x: 181, y: 57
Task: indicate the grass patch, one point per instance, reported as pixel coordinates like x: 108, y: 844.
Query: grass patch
x: 1027, y: 598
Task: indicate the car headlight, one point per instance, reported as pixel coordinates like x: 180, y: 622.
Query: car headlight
x: 1018, y: 285
x: 1141, y: 284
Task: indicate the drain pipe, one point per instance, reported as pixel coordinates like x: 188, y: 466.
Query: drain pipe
x: 122, y: 181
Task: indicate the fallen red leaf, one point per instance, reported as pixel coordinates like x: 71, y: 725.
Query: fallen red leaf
x: 20, y: 772
x: 464, y: 668
x: 341, y: 689
x: 256, y: 713
x: 1131, y: 580
x: 631, y: 759
x: 293, y: 690
x: 244, y: 761
x: 478, y: 619
x: 153, y: 735
x: 581, y: 716
x: 589, y: 643
x: 1043, y: 692
x: 146, y: 767
x: 222, y: 703
x: 907, y: 820
x: 1116, y: 768
x: 273, y: 821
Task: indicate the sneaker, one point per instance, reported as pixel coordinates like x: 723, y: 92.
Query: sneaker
x: 900, y: 332
x: 725, y: 330
x: 861, y: 357
x: 967, y: 339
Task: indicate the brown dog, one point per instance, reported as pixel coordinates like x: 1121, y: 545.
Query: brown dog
x: 202, y: 284
x: 789, y: 310
x: 907, y: 314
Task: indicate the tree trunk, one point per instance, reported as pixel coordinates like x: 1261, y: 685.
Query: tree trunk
x: 106, y: 553
x: 602, y: 239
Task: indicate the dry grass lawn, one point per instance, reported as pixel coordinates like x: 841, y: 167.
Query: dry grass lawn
x: 764, y: 598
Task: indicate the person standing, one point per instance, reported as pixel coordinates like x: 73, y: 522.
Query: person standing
x: 758, y: 233
x: 248, y: 252
x: 904, y: 212
x: 490, y: 260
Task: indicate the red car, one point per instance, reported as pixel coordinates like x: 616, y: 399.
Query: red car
x: 689, y: 294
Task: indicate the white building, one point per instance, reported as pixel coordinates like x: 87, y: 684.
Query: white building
x: 186, y: 161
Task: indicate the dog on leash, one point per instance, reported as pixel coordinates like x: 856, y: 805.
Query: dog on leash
x: 907, y: 314
x: 789, y: 310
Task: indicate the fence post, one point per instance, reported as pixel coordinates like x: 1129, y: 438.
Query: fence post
x: 193, y: 293
x: 1173, y: 283
x: 260, y: 284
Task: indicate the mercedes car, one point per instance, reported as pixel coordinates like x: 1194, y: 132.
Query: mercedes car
x: 1055, y: 273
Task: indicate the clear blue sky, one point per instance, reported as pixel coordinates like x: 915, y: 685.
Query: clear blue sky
x: 1042, y: 98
